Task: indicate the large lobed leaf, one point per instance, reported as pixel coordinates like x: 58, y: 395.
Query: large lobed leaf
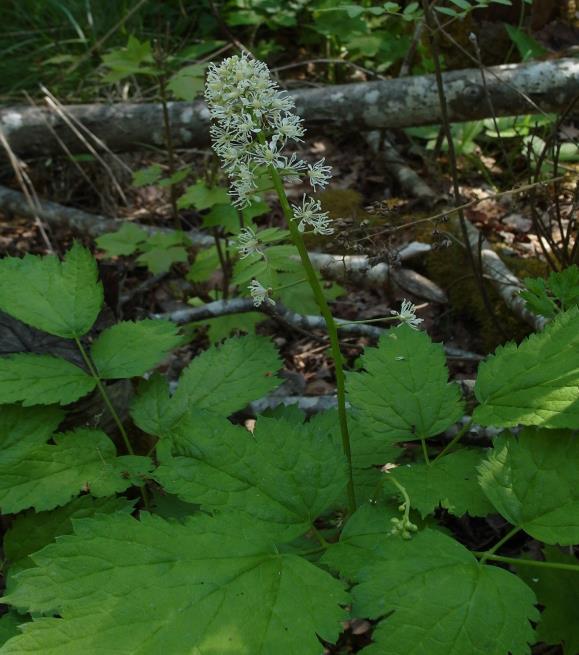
x: 42, y: 380
x: 44, y: 476
x: 558, y: 592
x: 31, y: 531
x: 129, y: 349
x: 450, y: 482
x: 533, y: 481
x: 210, y: 586
x: 61, y: 298
x: 534, y: 383
x: 436, y: 598
x: 223, y: 379
x: 404, y: 392
x: 283, y: 473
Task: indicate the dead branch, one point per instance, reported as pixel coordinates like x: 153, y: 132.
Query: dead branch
x: 513, y: 89
x: 507, y: 285
x: 410, y: 182
x: 358, y: 269
x: 293, y: 319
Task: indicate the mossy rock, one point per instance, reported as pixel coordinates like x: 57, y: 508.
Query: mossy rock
x: 450, y: 268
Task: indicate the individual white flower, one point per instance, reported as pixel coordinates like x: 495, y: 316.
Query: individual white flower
x: 248, y: 243
x: 289, y: 127
x: 268, y: 154
x: 292, y: 169
x: 407, y: 314
x: 310, y: 213
x: 259, y: 294
x: 319, y: 174
x: 243, y: 184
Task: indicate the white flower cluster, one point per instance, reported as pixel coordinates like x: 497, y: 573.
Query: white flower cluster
x: 407, y: 314
x: 259, y: 294
x: 253, y: 121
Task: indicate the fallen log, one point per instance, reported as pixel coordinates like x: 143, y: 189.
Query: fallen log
x: 357, y: 269
x: 278, y: 312
x: 512, y: 89
x: 82, y: 223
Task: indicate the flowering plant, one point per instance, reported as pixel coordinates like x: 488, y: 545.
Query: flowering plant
x: 271, y: 540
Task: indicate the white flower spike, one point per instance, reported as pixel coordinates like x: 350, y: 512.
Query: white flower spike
x: 259, y: 294
x: 407, y: 314
x: 253, y: 122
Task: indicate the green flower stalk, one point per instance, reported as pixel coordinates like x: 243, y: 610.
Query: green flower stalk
x: 252, y: 123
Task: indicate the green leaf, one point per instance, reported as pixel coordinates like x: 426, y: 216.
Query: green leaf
x: 297, y: 294
x: 368, y: 450
x: 447, y: 11
x: 210, y: 585
x: 404, y: 393
x: 223, y: 326
x: 152, y: 410
x: 187, y: 83
x: 565, y: 286
x: 42, y: 380
x: 205, y: 265
x: 537, y: 297
x: 558, y: 293
x: 279, y: 258
x: 24, y: 429
x: 225, y: 379
x: 147, y: 176
x: 222, y: 215
x: 438, y: 599
x: 362, y: 536
x: 527, y: 46
x: 200, y: 196
x: 450, y: 482
x: 177, y: 177
x: 128, y: 349
x: 462, y: 4
x: 284, y: 474
x: 61, y: 298
x: 558, y: 592
x: 123, y: 242
x: 131, y: 60
x: 9, y: 625
x: 534, y: 383
x: 160, y: 260
x: 30, y: 532
x: 533, y: 481
x: 49, y: 475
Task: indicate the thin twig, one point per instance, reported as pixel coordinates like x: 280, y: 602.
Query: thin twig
x: 453, y: 167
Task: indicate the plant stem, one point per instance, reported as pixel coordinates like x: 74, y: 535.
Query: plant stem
x: 528, y: 562
x: 162, y: 81
x: 370, y: 320
x: 457, y: 437
x: 499, y: 543
x: 433, y: 38
x: 425, y: 451
x: 331, y: 326
x: 320, y: 537
x: 105, y: 396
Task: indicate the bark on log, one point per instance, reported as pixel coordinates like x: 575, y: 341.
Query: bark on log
x: 79, y: 222
x: 356, y: 268
x: 300, y: 321
x: 513, y: 89
x: 506, y: 284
